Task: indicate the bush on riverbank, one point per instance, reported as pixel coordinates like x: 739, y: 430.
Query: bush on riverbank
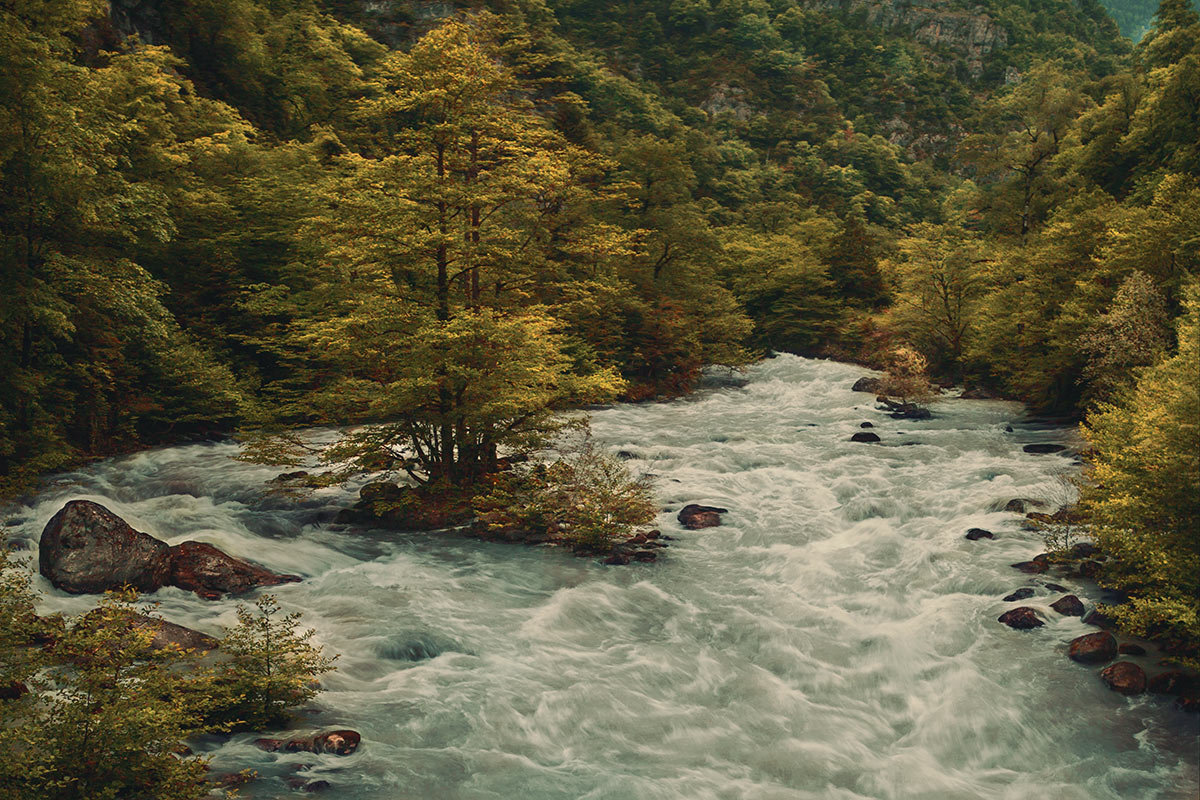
x: 1145, y: 493
x: 95, y: 707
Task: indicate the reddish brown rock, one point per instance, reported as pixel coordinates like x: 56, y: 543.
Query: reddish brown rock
x: 1032, y: 567
x: 645, y: 555
x: 1022, y: 618
x: 210, y: 573
x: 1093, y: 648
x: 1068, y: 606
x: 338, y: 743
x: 165, y: 634
x: 695, y: 517
x: 87, y: 549
x: 1124, y: 677
x: 617, y: 559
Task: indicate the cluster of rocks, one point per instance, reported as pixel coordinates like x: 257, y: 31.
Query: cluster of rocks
x: 641, y: 547
x: 87, y: 549
x: 1084, y: 560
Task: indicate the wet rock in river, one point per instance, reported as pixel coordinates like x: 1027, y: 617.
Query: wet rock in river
x: 867, y: 384
x: 864, y: 436
x: 1024, y: 593
x: 1131, y: 649
x: 211, y: 573
x: 696, y: 517
x: 1124, y: 677
x: 1093, y: 648
x: 1068, y: 606
x: 1022, y: 618
x: 975, y: 534
x: 1043, y: 449
x: 87, y: 549
x: 1034, y: 567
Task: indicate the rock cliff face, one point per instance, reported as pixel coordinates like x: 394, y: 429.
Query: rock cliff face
x: 936, y: 23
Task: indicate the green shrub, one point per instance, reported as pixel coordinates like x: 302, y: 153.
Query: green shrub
x: 270, y: 668
x: 587, y: 500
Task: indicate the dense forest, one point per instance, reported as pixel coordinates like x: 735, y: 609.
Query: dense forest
x: 460, y: 220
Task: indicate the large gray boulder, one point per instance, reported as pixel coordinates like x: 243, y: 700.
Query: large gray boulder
x: 87, y: 549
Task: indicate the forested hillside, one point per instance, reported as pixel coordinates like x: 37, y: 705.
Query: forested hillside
x: 462, y: 219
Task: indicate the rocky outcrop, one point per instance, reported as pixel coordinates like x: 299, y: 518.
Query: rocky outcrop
x: 1022, y: 618
x: 1124, y: 677
x: 1093, y: 648
x: 87, y: 549
x: 696, y: 517
x: 970, y: 33
x: 210, y: 573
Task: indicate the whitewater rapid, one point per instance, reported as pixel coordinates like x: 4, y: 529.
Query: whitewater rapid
x: 835, y: 638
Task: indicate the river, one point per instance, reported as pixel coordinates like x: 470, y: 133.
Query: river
x: 835, y: 638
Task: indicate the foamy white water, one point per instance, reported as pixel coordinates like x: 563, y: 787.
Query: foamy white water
x: 835, y: 638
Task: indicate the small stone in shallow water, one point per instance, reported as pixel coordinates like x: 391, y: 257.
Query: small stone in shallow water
x: 1022, y: 618
x: 866, y: 425
x: 1024, y: 593
x: 865, y: 436
x: 975, y: 534
x: 1093, y: 648
x: 1054, y: 587
x: 1124, y: 677
x: 1068, y: 606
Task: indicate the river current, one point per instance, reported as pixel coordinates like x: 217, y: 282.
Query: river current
x: 835, y: 638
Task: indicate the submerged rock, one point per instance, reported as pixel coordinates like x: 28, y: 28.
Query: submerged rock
x: 1043, y: 449
x: 1022, y: 618
x: 864, y: 436
x: 1034, y: 567
x: 210, y: 573
x: 1068, y: 606
x: 1093, y: 648
x: 695, y: 517
x: 1131, y: 649
x: 1124, y: 677
x: 1024, y: 593
x: 975, y: 534
x: 87, y: 549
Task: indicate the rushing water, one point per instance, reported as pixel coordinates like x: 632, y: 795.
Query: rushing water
x: 835, y: 638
